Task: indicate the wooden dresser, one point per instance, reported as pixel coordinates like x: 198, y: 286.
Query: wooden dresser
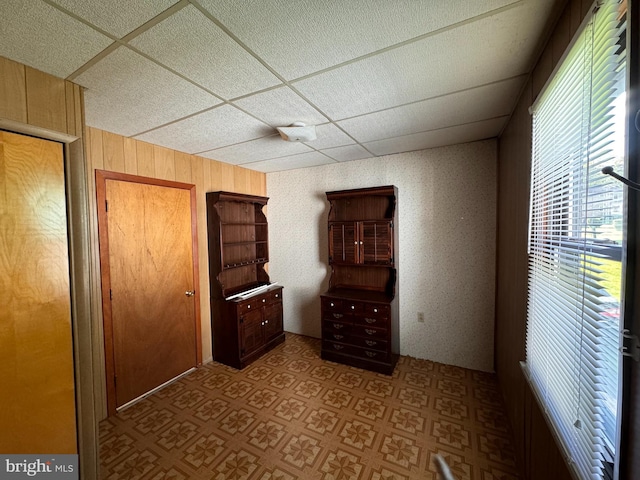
x: 360, y: 324
x: 244, y: 325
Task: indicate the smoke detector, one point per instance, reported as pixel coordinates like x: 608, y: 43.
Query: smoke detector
x: 298, y: 132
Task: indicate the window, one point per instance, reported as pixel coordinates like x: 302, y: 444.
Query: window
x: 575, y: 244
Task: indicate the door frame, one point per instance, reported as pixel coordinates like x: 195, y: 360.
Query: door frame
x: 103, y: 238
x: 77, y: 200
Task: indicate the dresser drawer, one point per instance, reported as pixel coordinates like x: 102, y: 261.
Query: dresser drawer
x: 330, y: 327
x: 247, y: 306
x: 376, y: 310
x: 339, y: 316
x: 331, y: 305
x: 370, y: 332
x: 273, y: 296
x: 337, y: 347
x: 335, y: 335
x: 372, y: 321
x: 370, y: 354
x: 370, y: 343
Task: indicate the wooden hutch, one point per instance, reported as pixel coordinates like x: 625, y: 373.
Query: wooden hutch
x: 246, y: 309
x: 360, y: 324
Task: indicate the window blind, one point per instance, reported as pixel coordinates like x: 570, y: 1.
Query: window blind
x: 575, y: 237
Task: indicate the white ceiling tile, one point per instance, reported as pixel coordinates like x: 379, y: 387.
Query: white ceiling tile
x: 469, y: 106
x: 304, y: 160
x: 43, y: 37
x: 224, y: 125
x: 347, y: 153
x: 128, y: 94
x: 438, y: 138
x: 118, y: 17
x: 481, y: 52
x: 297, y: 38
x: 256, y: 150
x: 328, y: 136
x: 281, y: 107
x: 192, y: 45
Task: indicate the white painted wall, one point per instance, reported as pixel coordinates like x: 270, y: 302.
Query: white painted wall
x: 447, y: 229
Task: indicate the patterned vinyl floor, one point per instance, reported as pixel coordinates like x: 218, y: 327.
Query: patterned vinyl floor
x: 292, y: 415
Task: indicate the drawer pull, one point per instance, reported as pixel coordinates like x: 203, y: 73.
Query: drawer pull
x: 264, y: 300
x: 353, y: 307
x: 277, y: 295
x: 370, y: 320
x: 338, y: 347
x: 370, y: 354
x: 338, y: 315
x: 331, y: 304
x: 375, y: 310
x: 338, y: 326
x: 371, y: 343
x: 248, y: 306
x: 339, y: 337
x: 369, y: 331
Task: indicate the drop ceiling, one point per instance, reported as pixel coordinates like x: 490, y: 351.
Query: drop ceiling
x: 216, y: 77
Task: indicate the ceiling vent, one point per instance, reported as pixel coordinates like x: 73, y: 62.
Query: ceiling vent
x: 298, y: 132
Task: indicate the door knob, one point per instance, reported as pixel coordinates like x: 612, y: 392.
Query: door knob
x: 190, y: 293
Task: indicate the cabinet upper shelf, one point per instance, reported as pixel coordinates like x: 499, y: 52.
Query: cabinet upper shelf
x: 352, y: 205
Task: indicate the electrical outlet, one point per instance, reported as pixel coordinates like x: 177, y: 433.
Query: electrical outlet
x: 421, y: 317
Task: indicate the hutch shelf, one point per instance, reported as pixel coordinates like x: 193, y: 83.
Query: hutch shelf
x: 246, y: 308
x: 360, y: 325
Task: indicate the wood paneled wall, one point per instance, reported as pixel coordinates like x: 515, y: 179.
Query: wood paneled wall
x: 536, y: 448
x: 31, y: 97
x: 41, y: 105
x: 108, y: 151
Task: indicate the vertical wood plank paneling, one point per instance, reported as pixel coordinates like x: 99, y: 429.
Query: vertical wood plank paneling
x: 165, y: 166
x: 46, y: 102
x: 215, y: 178
x: 207, y: 167
x: 258, y: 183
x: 561, y: 36
x: 227, y: 177
x: 241, y: 180
x: 13, y: 91
x: 95, y: 151
x: 130, y: 156
x: 146, y: 165
x: 183, y: 167
x: 542, y: 71
x: 198, y: 179
x: 113, y: 147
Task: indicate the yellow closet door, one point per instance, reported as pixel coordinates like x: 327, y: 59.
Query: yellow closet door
x: 37, y: 400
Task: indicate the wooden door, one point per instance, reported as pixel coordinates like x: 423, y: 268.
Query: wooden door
x: 37, y: 395
x: 272, y: 321
x: 151, y: 324
x: 251, y: 332
x: 377, y: 242
x: 343, y: 247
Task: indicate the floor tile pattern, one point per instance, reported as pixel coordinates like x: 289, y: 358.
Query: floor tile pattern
x: 292, y: 415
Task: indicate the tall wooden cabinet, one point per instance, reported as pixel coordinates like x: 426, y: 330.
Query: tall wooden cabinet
x: 246, y: 309
x: 360, y: 325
